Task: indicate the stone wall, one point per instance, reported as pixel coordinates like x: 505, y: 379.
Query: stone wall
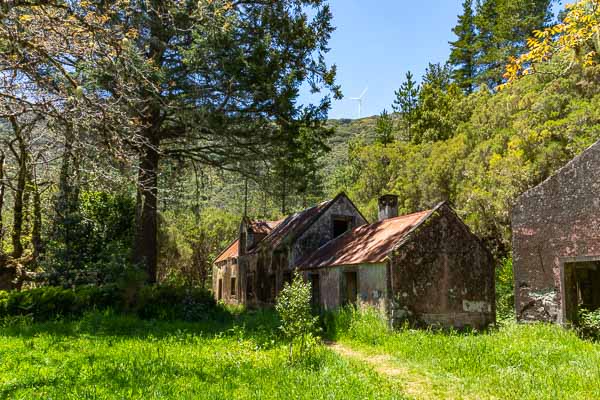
x: 321, y: 231
x: 443, y: 276
x: 554, y: 223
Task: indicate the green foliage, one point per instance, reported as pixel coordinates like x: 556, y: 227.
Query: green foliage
x: 439, y: 106
x: 588, y: 324
x: 189, y: 244
x: 505, y: 295
x: 92, y: 243
x: 148, y: 302
x: 384, y: 130
x: 503, y: 27
x: 298, y: 324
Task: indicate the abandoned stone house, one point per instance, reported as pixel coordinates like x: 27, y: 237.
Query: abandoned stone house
x: 556, y: 243
x: 257, y: 264
x: 426, y: 267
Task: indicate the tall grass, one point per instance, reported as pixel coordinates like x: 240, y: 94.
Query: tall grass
x: 534, y: 361
x: 107, y: 356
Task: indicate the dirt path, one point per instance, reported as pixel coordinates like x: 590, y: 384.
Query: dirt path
x: 415, y: 384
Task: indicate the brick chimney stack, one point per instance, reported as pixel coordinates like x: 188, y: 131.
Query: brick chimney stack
x: 388, y: 206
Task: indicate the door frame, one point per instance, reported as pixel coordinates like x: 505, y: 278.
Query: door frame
x: 563, y: 320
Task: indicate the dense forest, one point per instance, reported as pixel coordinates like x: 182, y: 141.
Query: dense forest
x: 134, y: 135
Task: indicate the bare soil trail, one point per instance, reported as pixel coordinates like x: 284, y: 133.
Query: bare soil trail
x: 415, y: 383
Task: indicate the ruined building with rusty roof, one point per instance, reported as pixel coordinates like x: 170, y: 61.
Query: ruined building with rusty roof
x: 556, y: 243
x: 425, y: 267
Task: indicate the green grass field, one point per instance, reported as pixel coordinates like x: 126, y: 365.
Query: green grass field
x: 115, y: 357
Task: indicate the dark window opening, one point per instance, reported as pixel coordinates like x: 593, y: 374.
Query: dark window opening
x: 581, y: 288
x: 233, y: 287
x: 220, y: 290
x: 234, y: 261
x: 340, y: 226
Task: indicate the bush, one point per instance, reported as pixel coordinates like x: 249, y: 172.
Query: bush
x: 147, y: 302
x: 588, y: 324
x: 295, y: 311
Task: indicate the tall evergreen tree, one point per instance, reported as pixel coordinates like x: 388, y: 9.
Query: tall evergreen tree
x: 503, y: 27
x: 462, y: 55
x: 406, y: 102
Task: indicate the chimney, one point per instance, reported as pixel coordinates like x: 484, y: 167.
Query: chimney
x: 388, y: 206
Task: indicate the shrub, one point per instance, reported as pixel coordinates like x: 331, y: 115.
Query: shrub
x: 295, y: 311
x: 588, y: 324
x: 147, y: 302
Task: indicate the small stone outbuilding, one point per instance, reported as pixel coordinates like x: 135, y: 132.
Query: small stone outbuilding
x: 556, y: 243
x: 426, y: 268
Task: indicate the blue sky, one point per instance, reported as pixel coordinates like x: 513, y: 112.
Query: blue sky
x: 377, y: 41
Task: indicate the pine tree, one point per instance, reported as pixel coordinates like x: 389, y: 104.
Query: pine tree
x: 406, y: 102
x: 384, y: 130
x: 462, y: 56
x: 503, y: 27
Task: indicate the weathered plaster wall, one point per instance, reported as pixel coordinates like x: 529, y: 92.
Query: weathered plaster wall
x: 443, y: 276
x: 372, y: 287
x: 321, y: 231
x: 555, y: 221
x: 225, y: 273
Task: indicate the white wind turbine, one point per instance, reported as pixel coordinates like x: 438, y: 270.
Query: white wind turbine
x: 360, y: 100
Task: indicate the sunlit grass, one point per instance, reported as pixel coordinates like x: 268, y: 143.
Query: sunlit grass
x: 536, y: 361
x: 117, y: 357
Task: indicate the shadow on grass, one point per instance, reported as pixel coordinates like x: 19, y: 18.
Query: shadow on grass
x: 249, y: 324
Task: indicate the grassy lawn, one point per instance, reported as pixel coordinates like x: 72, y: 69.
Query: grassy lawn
x: 514, y: 362
x: 116, y: 357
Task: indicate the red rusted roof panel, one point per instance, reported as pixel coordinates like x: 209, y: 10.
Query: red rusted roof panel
x: 365, y: 244
x: 231, y: 252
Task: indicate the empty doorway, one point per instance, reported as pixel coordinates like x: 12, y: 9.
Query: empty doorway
x: 350, y: 287
x: 580, y: 288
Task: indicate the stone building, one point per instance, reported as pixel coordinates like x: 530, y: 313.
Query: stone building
x: 426, y: 268
x: 556, y: 243
x: 255, y: 266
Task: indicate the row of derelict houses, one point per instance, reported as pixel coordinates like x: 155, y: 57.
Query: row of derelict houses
x: 428, y: 268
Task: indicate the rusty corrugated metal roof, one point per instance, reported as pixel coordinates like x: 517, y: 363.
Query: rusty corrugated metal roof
x: 365, y: 244
x: 264, y: 227
x: 230, y: 252
x: 294, y: 224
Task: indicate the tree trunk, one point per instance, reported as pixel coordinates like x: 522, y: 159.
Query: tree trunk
x: 2, y: 186
x: 36, y: 236
x: 146, y: 244
x: 68, y: 196
x: 21, y: 155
